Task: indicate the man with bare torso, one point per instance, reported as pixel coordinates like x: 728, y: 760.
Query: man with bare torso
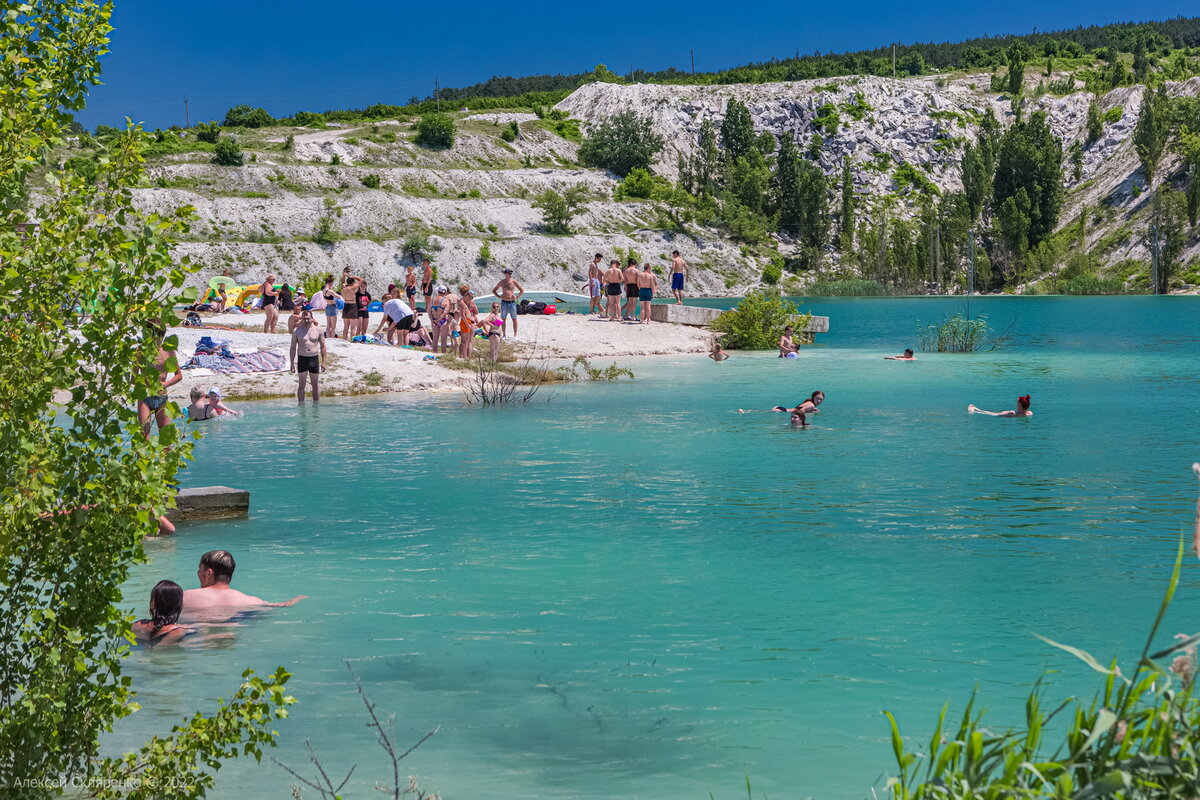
x: 595, y: 291
x: 215, y: 573
x: 613, y: 278
x: 678, y: 272
x: 630, y: 276
x: 427, y: 283
x: 153, y: 408
x: 309, y: 342
x: 647, y: 285
x: 509, y: 292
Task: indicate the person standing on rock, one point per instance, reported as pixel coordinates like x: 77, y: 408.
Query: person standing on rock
x: 613, y: 278
x: 349, y: 306
x: 509, y: 292
x: 308, y: 341
x: 678, y: 272
x: 630, y: 274
x: 647, y: 285
x: 427, y: 283
x: 594, y: 288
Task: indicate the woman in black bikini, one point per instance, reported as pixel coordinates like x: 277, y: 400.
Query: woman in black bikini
x: 166, y: 602
x: 269, y: 295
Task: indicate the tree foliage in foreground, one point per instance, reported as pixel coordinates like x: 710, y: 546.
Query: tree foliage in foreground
x: 758, y: 321
x: 88, y: 285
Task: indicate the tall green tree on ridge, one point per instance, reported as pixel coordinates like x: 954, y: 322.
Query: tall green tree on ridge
x: 737, y: 131
x: 1029, y: 181
x: 1150, y: 133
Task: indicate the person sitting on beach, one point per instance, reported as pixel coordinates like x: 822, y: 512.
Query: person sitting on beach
x: 908, y: 356
x: 215, y: 573
x: 221, y: 300
x: 1022, y: 410
x: 215, y: 407
x: 787, y: 347
x: 166, y: 603
x: 286, y: 301
x: 199, y: 408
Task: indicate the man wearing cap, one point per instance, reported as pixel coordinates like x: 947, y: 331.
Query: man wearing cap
x: 309, y: 342
x: 401, y: 318
x: 509, y: 292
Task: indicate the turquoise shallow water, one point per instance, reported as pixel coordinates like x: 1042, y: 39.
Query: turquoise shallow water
x: 634, y: 590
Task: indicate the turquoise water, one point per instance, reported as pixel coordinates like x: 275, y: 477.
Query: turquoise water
x: 633, y: 590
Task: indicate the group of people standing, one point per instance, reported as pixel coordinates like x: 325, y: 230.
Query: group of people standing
x: 618, y: 294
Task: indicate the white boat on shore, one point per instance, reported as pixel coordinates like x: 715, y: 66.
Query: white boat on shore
x: 538, y: 297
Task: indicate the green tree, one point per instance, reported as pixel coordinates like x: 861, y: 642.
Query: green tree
x: 600, y: 74
x: 1016, y: 56
x: 83, y: 489
x: 559, y: 208
x: 1013, y: 222
x: 1095, y: 125
x: 976, y: 184
x: 803, y: 199
x: 1141, y: 61
x: 1189, y: 148
x: 1150, y: 134
x: 621, y: 143
x: 758, y: 321
x: 436, y: 131
x: 846, y: 216
x: 737, y: 131
x: 247, y: 117
x: 418, y: 246
x: 1029, y: 163
x: 227, y: 153
x: 748, y: 180
x: 638, y: 183
x: 208, y: 132
x: 1169, y: 223
x: 706, y: 169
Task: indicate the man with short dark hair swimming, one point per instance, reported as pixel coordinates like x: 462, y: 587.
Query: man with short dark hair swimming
x: 1022, y: 410
x: 215, y: 573
x: 908, y: 356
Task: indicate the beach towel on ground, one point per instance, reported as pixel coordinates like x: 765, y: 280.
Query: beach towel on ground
x: 259, y: 361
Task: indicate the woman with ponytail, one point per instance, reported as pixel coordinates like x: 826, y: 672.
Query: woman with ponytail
x: 166, y: 601
x: 1022, y: 409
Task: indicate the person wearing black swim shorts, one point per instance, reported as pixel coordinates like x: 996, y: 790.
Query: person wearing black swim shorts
x: 427, y: 283
x: 153, y: 408
x: 613, y: 278
x: 308, y: 342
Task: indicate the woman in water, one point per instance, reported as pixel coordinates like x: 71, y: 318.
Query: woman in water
x: 166, y: 601
x: 269, y: 296
x: 1022, y: 410
x: 808, y: 406
x: 799, y: 420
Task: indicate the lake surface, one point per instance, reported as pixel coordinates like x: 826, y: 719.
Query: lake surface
x: 633, y: 590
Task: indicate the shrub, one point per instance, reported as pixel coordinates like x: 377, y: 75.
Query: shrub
x: 848, y: 287
x: 772, y: 273
x: 558, y: 209
x: 621, y: 143
x: 957, y: 334
x: 417, y: 246
x: 208, y: 132
x: 370, y: 181
x: 228, y: 154
x: 436, y: 131
x: 638, y: 183
x: 485, y: 254
x: 382, y: 111
x: 308, y: 119
x: 247, y: 117
x: 758, y: 321
x: 335, y: 159
x: 510, y: 132
x: 1091, y: 284
x: 289, y: 144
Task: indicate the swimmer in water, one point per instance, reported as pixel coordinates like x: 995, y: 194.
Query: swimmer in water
x: 716, y: 352
x: 1022, y: 410
x: 787, y: 347
x: 908, y: 356
x: 799, y: 420
x: 166, y: 601
x: 809, y: 406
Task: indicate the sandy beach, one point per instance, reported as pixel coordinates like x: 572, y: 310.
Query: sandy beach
x: 541, y: 338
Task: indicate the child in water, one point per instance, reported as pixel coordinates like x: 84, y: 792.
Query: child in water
x: 1022, y: 410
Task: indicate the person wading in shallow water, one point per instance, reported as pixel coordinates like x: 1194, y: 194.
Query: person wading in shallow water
x: 153, y: 408
x: 309, y: 342
x: 215, y: 573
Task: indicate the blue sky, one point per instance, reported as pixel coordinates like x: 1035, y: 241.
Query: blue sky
x: 304, y: 55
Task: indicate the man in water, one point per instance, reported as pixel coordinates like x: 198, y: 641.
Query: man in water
x: 153, y: 408
x: 215, y: 573
x: 594, y: 288
x: 908, y: 356
x: 787, y: 347
x: 678, y: 272
x: 309, y: 342
x: 509, y: 292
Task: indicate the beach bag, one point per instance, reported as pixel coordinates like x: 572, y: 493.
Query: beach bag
x: 193, y: 320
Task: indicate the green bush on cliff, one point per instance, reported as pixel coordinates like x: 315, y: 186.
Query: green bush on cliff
x: 436, y: 130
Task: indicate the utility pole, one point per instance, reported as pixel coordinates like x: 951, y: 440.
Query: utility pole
x: 693, y: 52
x: 187, y: 118
x: 970, y: 269
x: 893, y: 60
x: 437, y: 95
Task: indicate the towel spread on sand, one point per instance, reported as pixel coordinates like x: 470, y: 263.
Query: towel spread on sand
x: 258, y: 361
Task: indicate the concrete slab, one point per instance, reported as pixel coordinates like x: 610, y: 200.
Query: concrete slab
x: 700, y: 316
x: 210, y: 502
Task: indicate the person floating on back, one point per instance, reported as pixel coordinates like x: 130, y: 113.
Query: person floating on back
x: 166, y: 602
x: 908, y: 356
x: 215, y: 573
x: 1022, y: 410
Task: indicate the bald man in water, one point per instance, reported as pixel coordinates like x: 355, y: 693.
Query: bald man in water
x: 215, y: 573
